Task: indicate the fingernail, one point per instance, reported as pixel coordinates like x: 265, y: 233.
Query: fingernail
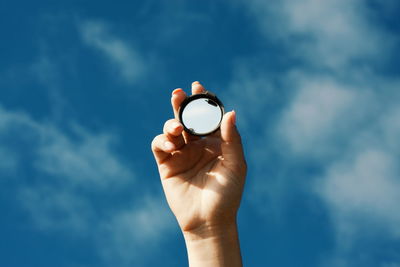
x: 168, y: 145
x: 176, y: 91
x: 233, y: 117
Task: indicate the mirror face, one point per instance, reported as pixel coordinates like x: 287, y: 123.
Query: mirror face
x: 202, y: 116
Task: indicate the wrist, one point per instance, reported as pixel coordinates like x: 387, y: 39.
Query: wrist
x: 211, y: 231
x: 213, y: 245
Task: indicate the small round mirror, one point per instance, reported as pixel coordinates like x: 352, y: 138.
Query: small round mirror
x: 201, y: 114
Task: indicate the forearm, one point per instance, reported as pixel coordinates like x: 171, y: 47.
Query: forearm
x: 214, y: 246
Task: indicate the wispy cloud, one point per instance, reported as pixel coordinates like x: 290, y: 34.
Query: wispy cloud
x: 85, y: 158
x: 53, y: 208
x: 362, y: 189
x: 88, y: 161
x: 124, y: 58
x: 64, y: 163
x: 322, y: 110
x: 330, y: 112
x: 76, y: 178
x: 122, y: 238
x: 325, y: 33
x: 73, y: 172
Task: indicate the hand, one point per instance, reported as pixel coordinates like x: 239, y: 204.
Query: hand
x: 203, y: 178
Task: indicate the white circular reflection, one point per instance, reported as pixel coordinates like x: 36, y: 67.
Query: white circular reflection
x: 202, y: 116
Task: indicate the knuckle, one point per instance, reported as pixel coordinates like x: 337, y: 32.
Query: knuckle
x: 170, y: 121
x: 153, y: 144
x: 168, y: 124
x: 156, y: 141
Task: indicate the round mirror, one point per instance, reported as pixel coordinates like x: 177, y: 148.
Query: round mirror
x: 201, y: 114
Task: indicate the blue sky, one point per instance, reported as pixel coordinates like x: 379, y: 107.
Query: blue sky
x: 85, y: 86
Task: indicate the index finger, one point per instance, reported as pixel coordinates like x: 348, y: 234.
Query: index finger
x: 197, y: 88
x: 178, y: 95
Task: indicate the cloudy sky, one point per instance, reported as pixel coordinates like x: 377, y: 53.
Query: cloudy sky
x: 85, y: 86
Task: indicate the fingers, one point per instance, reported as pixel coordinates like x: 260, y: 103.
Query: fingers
x: 197, y: 88
x: 173, y: 130
x: 229, y: 132
x: 232, y: 150
x: 173, y: 127
x: 164, y: 144
x: 161, y: 147
x: 174, y: 137
x: 178, y: 95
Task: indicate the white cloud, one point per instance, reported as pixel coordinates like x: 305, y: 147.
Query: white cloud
x: 256, y: 90
x: 390, y: 126
x: 53, y: 208
x: 127, y: 61
x: 341, y: 116
x: 70, y: 176
x: 123, y: 237
x: 363, y: 190
x: 88, y: 161
x: 326, y: 33
x: 350, y: 129
x: 321, y: 109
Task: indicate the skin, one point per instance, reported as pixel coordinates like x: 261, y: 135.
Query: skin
x: 203, y: 180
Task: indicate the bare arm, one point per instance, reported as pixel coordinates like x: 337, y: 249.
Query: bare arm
x: 214, y: 246
x: 203, y: 181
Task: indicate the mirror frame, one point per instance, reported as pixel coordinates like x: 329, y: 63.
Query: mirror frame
x: 189, y: 99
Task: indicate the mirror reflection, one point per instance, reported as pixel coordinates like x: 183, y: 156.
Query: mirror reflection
x: 202, y: 116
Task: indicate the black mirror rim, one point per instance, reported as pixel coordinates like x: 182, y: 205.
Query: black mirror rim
x: 189, y: 99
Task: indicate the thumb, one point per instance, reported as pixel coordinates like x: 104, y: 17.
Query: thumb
x: 231, y: 147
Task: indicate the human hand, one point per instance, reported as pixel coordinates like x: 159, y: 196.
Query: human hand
x: 202, y: 178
